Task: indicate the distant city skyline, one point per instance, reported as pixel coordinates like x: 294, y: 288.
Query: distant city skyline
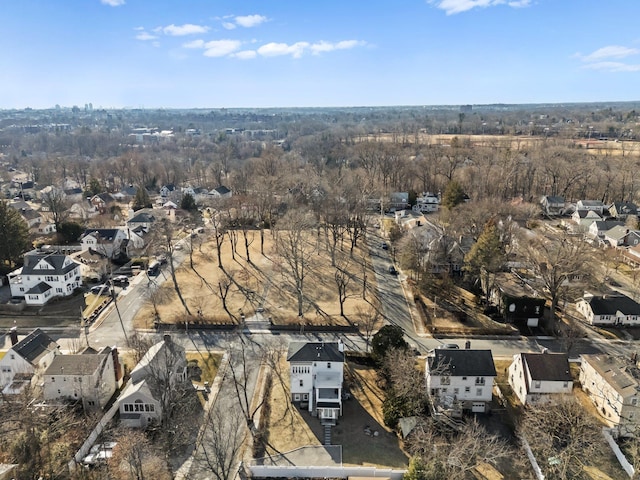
x: 257, y: 54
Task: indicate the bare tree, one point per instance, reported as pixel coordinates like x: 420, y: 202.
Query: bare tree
x: 220, y: 446
x: 167, y: 240
x: 368, y: 319
x: 55, y: 201
x: 134, y: 458
x: 295, y: 248
x: 564, y: 435
x: 555, y: 262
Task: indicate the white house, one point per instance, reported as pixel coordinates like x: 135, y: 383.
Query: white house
x: 427, y: 203
x: 316, y: 371
x: 220, y: 192
x: 408, y: 219
x: 45, y: 276
x: 460, y: 379
x: 537, y: 377
x: 605, y: 310
x: 613, y: 387
x: 91, y: 377
x: 160, y: 369
x: 553, y: 205
x: 594, y: 205
x: 31, y: 355
x: 111, y: 242
x: 598, y: 228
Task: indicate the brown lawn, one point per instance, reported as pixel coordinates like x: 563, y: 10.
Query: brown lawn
x: 263, y: 282
x: 290, y: 427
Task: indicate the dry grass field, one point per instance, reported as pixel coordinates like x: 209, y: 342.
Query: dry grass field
x: 595, y: 146
x: 261, y: 283
x: 290, y: 427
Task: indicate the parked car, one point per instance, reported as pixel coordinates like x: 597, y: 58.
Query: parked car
x: 102, y: 289
x: 121, y: 280
x: 392, y: 270
x: 384, y: 246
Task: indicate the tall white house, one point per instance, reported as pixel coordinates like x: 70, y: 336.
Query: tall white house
x: 91, y: 377
x: 538, y: 377
x: 45, y: 276
x: 460, y: 380
x: 613, y: 386
x: 316, y: 371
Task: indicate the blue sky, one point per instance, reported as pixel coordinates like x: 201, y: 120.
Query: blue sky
x: 283, y: 53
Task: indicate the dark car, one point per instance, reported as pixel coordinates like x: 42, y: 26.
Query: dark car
x: 392, y: 270
x: 384, y: 246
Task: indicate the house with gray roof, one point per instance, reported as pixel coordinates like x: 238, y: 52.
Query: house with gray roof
x: 540, y: 377
x: 31, y: 355
x: 607, y: 310
x: 613, y: 385
x: 161, y: 368
x: 459, y: 380
x: 623, y: 210
x: 45, y: 276
x: 91, y: 377
x: 316, y: 372
x: 553, y: 205
x: 594, y: 205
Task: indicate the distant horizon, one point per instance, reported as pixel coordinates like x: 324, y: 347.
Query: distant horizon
x: 431, y: 106
x: 140, y: 54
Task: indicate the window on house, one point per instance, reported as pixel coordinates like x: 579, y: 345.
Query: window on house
x: 634, y: 401
x: 537, y: 384
x: 444, y: 390
x: 445, y: 380
x: 328, y: 364
x: 464, y: 378
x: 456, y: 391
x: 305, y: 396
x: 467, y: 389
x: 296, y: 397
x: 301, y: 383
x: 53, y: 379
x: 478, y: 391
x: 91, y: 403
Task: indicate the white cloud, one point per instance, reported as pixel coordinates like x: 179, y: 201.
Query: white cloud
x: 112, y: 3
x: 144, y: 36
x: 323, y: 46
x: 221, y: 48
x: 229, y: 25
x: 194, y: 44
x: 277, y: 49
x: 249, y: 21
x: 186, y: 29
x: 611, y: 51
x: 613, y: 66
x: 451, y: 7
x: 607, y: 59
x: 245, y: 54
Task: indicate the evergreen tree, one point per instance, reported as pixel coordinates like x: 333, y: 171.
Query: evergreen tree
x: 388, y: 337
x: 188, y: 203
x: 487, y: 255
x: 453, y: 195
x: 141, y: 199
x: 14, y: 236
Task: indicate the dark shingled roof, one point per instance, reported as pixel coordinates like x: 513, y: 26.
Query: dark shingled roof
x: 463, y: 363
x: 102, y: 234
x: 39, y: 288
x: 314, y: 351
x: 222, y: 190
x: 56, y: 260
x: 548, y: 366
x: 34, y: 346
x: 611, y: 304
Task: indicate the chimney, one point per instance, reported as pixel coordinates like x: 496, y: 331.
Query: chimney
x: 13, y: 334
x: 117, y: 367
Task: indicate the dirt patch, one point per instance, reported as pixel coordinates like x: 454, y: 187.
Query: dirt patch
x: 259, y: 281
x: 364, y: 438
